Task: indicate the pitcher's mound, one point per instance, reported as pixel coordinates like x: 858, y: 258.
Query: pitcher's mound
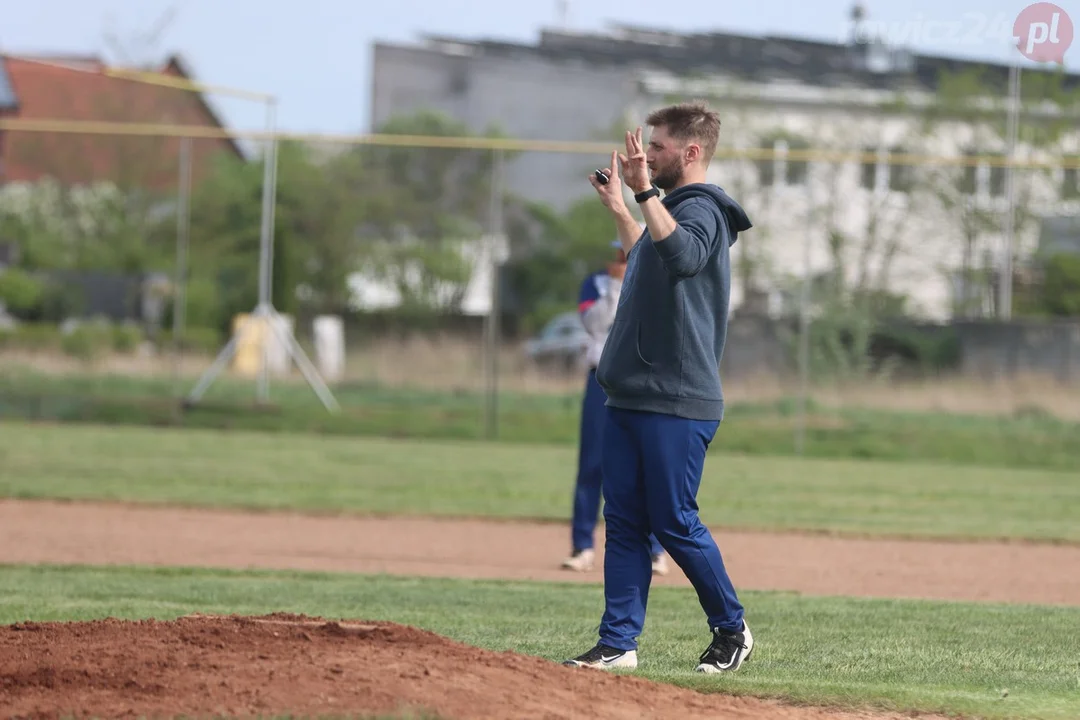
x: 290, y: 664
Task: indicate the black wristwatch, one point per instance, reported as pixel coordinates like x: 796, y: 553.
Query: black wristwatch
x: 646, y: 194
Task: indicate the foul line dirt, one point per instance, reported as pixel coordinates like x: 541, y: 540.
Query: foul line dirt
x: 104, y: 534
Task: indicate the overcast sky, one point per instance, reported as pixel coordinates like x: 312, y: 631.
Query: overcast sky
x: 315, y: 54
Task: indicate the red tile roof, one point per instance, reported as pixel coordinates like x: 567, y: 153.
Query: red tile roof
x: 75, y: 89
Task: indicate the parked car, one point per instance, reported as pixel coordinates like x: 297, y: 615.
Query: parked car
x: 560, y: 345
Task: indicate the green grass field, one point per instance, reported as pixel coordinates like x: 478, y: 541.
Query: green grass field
x: 894, y: 654
x: 1025, y: 440
x: 900, y: 655
x: 387, y: 476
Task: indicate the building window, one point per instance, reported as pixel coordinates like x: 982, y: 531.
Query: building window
x: 868, y: 169
x: 969, y: 176
x: 986, y: 177
x: 780, y: 169
x: 996, y: 175
x: 766, y: 165
x: 901, y: 172
x: 796, y: 170
x: 1070, y: 179
x: 881, y: 173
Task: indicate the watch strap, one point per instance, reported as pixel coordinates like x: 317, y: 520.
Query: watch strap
x: 646, y: 194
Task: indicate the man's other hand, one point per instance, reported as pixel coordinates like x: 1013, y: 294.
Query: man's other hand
x: 611, y: 194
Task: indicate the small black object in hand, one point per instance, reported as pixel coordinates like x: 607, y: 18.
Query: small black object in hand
x: 602, y: 177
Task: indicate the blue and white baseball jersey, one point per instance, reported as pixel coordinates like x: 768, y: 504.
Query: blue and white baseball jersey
x: 597, y: 302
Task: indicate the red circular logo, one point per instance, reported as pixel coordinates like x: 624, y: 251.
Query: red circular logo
x: 1043, y: 32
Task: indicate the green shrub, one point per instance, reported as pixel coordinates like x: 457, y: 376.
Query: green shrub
x: 85, y: 341
x: 126, y: 338
x: 60, y: 302
x: 1061, y: 290
x: 20, y: 292
x: 89, y: 340
x: 202, y: 305
x: 31, y: 337
x: 925, y: 350
x: 194, y: 339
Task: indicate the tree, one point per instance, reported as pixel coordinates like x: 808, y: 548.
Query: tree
x: 857, y: 290
x: 552, y: 253
x: 398, y: 215
x: 1061, y: 286
x: 83, y: 227
x: 226, y: 233
x: 974, y: 100
x: 425, y: 210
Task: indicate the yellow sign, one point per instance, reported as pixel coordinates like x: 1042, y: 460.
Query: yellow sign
x: 250, y: 333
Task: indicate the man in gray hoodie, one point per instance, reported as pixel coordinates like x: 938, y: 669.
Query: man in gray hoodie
x: 660, y: 372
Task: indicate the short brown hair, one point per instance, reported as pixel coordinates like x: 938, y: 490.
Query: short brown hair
x: 690, y: 122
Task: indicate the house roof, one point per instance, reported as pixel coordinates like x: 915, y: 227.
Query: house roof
x: 75, y: 88
x: 758, y: 58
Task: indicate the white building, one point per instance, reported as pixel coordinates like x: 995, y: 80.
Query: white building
x: 373, y: 291
x: 900, y: 228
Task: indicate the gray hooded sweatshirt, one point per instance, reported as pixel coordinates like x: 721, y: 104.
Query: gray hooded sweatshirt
x: 664, y: 349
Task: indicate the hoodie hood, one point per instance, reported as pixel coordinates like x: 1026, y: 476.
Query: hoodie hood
x: 737, y: 218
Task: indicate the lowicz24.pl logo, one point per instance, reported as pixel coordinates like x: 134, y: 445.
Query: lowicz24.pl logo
x: 1043, y: 32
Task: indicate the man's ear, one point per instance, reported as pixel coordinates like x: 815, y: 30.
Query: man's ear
x: 693, y: 152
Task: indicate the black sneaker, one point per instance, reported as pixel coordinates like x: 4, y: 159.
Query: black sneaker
x: 604, y: 657
x: 727, y: 651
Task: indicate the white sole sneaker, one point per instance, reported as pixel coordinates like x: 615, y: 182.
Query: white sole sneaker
x: 727, y: 651
x: 580, y: 562
x: 602, y: 657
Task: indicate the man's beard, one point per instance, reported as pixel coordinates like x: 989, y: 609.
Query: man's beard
x: 669, y: 177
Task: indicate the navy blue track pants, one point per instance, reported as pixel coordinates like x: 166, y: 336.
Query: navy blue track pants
x: 652, y: 466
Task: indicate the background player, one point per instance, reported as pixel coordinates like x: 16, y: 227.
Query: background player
x: 597, y: 301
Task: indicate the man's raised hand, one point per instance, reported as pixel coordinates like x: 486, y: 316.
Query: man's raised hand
x: 635, y: 165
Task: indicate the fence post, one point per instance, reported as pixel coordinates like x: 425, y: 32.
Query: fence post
x: 1005, y: 286
x: 804, y: 322
x: 491, y: 327
x: 183, y: 225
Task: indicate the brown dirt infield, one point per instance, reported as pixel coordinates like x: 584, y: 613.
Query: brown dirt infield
x: 242, y: 667
x: 100, y: 533
x: 200, y: 666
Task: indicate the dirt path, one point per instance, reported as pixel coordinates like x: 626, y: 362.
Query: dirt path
x: 90, y: 533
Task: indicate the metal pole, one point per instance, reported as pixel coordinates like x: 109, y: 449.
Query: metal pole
x: 272, y: 221
x: 1005, y: 286
x: 307, y: 369
x: 183, y: 229
x: 491, y: 334
x: 264, y: 313
x: 211, y: 373
x: 266, y: 243
x: 804, y: 323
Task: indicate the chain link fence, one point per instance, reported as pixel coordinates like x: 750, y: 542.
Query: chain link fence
x: 449, y: 267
